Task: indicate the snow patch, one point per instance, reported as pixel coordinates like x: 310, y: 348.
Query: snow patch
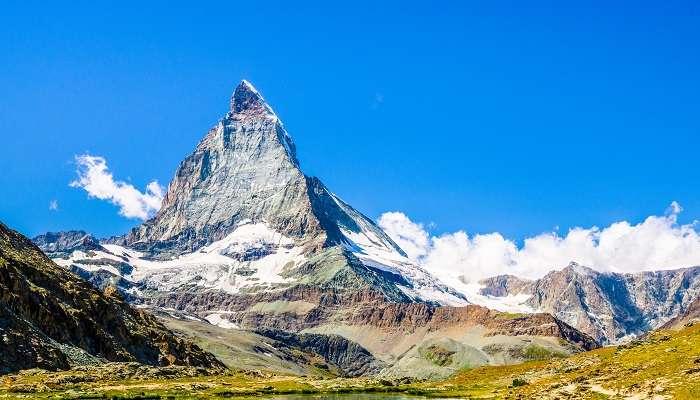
x: 218, y: 320
x: 510, y: 303
x: 375, y: 250
x: 253, y: 255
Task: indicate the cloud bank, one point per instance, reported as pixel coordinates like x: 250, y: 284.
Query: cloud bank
x: 658, y: 242
x: 96, y: 179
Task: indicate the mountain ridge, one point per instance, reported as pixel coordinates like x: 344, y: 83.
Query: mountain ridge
x: 611, y: 307
x: 52, y: 319
x: 244, y: 176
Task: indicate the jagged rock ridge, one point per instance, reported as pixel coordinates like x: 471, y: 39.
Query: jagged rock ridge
x: 51, y: 319
x: 58, y: 243
x: 244, y: 176
x: 609, y: 306
x: 349, y: 357
x: 244, y: 169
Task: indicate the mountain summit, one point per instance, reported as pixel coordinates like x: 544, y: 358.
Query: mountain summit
x: 241, y: 195
x: 244, y: 169
x: 246, y: 99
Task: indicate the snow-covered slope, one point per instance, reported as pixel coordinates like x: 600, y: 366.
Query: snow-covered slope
x: 253, y: 255
x: 476, y: 293
x: 240, y: 216
x: 251, y: 258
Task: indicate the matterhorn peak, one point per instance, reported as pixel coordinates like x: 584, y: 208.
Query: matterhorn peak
x: 247, y: 100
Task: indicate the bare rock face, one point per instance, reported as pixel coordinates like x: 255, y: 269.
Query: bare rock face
x: 608, y: 306
x: 23, y: 347
x: 349, y: 357
x: 245, y: 168
x: 244, y: 176
x: 414, y: 316
x: 503, y: 285
x: 690, y: 315
x: 50, y: 318
x: 58, y: 243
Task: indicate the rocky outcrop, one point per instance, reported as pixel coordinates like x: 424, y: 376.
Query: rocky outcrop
x: 60, y: 243
x: 349, y: 357
x: 504, y: 285
x: 22, y: 346
x: 690, y: 315
x: 608, y: 306
x: 413, y: 316
x: 369, y: 308
x: 50, y: 318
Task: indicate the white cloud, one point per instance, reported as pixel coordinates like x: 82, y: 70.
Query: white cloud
x: 658, y: 242
x: 411, y: 237
x: 94, y: 176
x: 53, y: 205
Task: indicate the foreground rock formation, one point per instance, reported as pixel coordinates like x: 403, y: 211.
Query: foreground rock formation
x: 51, y: 319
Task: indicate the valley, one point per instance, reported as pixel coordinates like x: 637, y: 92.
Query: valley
x: 663, y: 365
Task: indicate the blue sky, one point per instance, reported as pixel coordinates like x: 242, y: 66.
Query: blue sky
x: 516, y: 117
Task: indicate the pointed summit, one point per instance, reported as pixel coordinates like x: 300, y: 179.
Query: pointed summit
x: 247, y: 100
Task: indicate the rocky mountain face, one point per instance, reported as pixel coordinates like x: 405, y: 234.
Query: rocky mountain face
x: 608, y: 306
x: 64, y: 243
x: 245, y: 168
x: 82, y: 249
x: 504, y: 285
x: 347, y: 356
x: 283, y: 352
x: 406, y: 339
x: 689, y: 316
x: 51, y: 319
x: 245, y: 240
x: 241, y: 217
x: 428, y: 342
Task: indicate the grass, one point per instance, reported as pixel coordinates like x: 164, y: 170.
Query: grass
x: 665, y: 364
x: 535, y: 352
x: 511, y: 315
x: 438, y: 355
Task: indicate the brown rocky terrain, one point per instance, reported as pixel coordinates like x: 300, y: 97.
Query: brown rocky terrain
x: 412, y: 339
x: 366, y: 308
x: 50, y: 318
x: 417, y: 315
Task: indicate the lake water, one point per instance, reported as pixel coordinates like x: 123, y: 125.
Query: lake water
x: 350, y: 396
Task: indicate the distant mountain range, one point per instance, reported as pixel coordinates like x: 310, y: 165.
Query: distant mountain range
x: 611, y: 307
x: 246, y: 241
